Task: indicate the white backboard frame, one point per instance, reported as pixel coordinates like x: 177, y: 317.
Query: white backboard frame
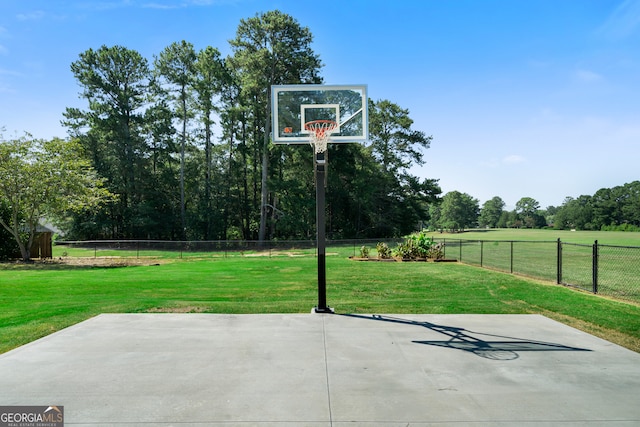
x: 293, y: 132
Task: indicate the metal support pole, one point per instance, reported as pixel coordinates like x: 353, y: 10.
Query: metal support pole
x: 511, y: 258
x: 594, y: 268
x: 559, y: 265
x: 320, y: 167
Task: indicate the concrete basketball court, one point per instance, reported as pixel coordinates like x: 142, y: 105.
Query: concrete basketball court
x: 322, y: 370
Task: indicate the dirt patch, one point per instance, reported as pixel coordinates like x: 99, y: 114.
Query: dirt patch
x: 88, y: 262
x: 285, y: 253
x: 111, y: 261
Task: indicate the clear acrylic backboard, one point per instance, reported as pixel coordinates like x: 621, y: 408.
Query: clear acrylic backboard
x: 294, y: 106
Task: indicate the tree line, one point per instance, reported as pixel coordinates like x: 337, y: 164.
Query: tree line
x: 183, y: 142
x: 613, y: 209
x: 178, y: 148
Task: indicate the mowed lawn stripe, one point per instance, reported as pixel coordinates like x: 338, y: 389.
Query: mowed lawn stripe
x: 38, y: 300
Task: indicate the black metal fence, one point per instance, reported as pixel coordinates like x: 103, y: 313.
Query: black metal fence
x: 210, y: 248
x: 179, y: 249
x: 602, y: 269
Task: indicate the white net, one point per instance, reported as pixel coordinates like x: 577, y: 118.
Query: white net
x: 320, y: 131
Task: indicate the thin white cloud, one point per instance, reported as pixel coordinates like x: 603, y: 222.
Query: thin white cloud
x: 150, y: 4
x: 105, y: 5
x: 628, y: 133
x: 4, y: 33
x: 177, y: 4
x: 6, y: 89
x: 513, y: 159
x: 545, y: 115
x: 155, y: 5
x: 623, y: 21
x: 4, y: 71
x: 537, y: 63
x: 210, y: 2
x: 587, y: 76
x: 31, y: 16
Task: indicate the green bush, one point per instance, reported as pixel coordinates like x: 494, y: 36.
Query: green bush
x: 419, y: 245
x: 364, y: 252
x: 404, y: 250
x: 621, y: 227
x: 384, y: 251
x: 436, y: 251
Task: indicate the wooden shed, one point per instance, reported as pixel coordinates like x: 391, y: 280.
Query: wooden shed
x: 42, y: 243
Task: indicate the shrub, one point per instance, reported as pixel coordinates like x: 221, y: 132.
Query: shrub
x: 419, y: 245
x: 621, y: 227
x: 384, y: 252
x: 364, y: 252
x: 436, y: 251
x: 405, y: 250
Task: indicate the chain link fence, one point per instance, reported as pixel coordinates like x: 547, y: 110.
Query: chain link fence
x: 183, y: 249
x: 603, y: 269
x: 210, y: 249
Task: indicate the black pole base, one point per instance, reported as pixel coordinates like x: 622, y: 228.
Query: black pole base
x: 317, y: 309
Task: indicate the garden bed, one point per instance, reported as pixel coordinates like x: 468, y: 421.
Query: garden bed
x: 397, y: 259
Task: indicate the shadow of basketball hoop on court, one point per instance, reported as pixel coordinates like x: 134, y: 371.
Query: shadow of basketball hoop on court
x: 488, y: 346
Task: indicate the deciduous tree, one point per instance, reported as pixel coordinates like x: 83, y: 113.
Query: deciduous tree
x: 491, y: 212
x: 43, y: 179
x: 527, y: 209
x: 459, y: 211
x: 527, y: 206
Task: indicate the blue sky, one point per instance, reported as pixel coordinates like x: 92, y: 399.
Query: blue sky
x: 523, y: 98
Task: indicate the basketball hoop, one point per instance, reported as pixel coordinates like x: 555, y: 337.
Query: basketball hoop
x: 320, y: 130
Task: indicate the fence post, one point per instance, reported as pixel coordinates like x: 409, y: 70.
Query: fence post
x: 460, y: 242
x: 559, y: 262
x: 511, y: 261
x: 481, y: 252
x: 594, y: 273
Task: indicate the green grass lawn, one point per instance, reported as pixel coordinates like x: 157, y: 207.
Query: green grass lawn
x: 36, y: 300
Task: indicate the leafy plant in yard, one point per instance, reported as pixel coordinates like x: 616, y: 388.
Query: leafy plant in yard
x: 436, y: 251
x: 419, y: 245
x: 406, y: 250
x: 384, y: 251
x: 364, y: 252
